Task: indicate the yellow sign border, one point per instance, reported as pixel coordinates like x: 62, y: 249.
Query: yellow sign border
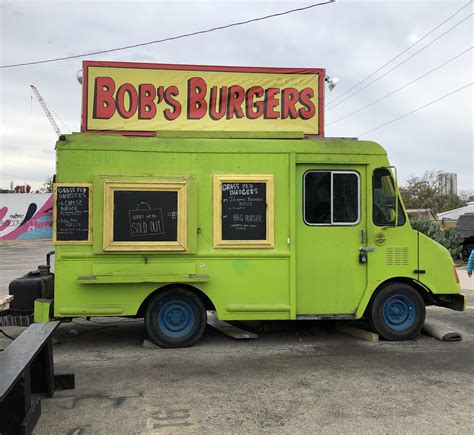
x: 269, y: 241
x: 109, y: 244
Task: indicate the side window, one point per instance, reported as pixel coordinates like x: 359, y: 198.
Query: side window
x: 345, y: 197
x: 384, y: 199
x: 317, y: 197
x: 331, y: 198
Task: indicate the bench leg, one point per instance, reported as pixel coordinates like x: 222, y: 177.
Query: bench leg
x: 31, y: 418
x: 17, y: 415
x: 43, y: 379
x: 42, y: 371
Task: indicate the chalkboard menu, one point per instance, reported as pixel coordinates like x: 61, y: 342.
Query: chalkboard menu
x: 145, y: 216
x: 72, y: 213
x: 243, y: 211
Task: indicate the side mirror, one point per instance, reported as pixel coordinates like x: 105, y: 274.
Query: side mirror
x: 391, y: 216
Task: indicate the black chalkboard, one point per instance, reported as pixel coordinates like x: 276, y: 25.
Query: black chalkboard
x: 72, y: 213
x: 145, y: 216
x: 244, y: 211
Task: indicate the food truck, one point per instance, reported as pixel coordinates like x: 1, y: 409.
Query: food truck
x: 194, y: 188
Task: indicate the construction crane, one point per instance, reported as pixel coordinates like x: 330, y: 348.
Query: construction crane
x: 46, y: 110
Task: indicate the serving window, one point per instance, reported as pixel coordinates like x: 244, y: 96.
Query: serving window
x: 146, y: 216
x: 243, y: 211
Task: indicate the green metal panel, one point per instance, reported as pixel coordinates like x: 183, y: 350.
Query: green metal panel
x: 42, y: 310
x: 241, y: 283
x: 436, y: 262
x: 303, y: 148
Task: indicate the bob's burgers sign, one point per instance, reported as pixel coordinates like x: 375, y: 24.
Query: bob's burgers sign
x: 141, y: 98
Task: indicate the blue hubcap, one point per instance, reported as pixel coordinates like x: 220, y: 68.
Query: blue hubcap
x: 399, y: 313
x: 176, y: 319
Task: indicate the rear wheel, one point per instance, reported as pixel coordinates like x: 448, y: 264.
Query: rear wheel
x: 397, y: 312
x: 175, y: 317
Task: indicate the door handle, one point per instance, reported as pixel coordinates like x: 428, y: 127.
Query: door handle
x: 363, y: 250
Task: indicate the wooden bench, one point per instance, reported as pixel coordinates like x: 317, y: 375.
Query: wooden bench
x: 26, y: 368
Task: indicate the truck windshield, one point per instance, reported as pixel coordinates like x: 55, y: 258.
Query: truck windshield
x: 384, y: 199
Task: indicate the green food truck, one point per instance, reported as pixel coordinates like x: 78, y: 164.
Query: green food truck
x: 237, y: 204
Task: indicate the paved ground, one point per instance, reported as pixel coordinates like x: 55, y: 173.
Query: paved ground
x: 304, y: 378
x: 19, y: 257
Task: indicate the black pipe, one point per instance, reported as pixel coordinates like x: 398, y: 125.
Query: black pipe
x: 48, y: 257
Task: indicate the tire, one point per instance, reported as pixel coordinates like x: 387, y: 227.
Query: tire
x: 175, y: 317
x: 397, y: 312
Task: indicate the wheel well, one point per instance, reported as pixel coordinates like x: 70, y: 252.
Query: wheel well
x: 423, y: 292
x: 207, y: 302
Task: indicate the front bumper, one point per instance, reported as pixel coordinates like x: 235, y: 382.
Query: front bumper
x: 455, y: 302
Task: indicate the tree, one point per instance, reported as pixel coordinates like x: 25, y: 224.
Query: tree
x: 467, y: 195
x: 47, y: 186
x: 450, y: 238
x: 426, y: 192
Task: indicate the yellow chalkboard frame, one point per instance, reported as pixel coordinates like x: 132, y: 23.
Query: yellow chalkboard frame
x: 162, y: 186
x: 55, y: 215
x: 269, y: 241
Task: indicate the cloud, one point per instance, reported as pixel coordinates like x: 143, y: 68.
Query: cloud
x: 349, y: 39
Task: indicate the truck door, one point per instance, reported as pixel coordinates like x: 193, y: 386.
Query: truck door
x: 331, y: 226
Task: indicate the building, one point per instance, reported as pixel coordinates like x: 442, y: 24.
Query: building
x: 450, y: 218
x: 454, y: 214
x: 448, y: 183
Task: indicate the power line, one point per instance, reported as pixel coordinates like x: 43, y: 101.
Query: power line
x: 401, y: 63
x: 171, y: 38
x: 416, y: 110
x: 399, y: 89
x: 403, y: 52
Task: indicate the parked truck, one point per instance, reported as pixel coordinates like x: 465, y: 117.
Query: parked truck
x: 265, y: 224
x: 466, y: 227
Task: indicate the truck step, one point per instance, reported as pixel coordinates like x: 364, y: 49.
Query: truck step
x: 228, y: 329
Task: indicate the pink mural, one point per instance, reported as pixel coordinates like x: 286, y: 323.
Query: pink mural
x: 26, y: 216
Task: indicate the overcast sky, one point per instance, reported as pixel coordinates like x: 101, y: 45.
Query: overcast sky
x: 350, y: 39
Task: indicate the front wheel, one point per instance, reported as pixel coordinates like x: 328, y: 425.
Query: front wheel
x: 397, y: 312
x: 175, y: 317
